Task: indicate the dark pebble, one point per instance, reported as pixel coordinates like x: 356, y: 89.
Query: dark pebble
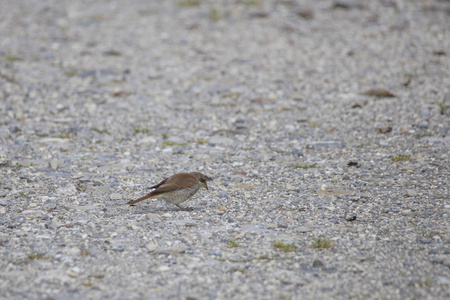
x: 282, y: 225
x: 437, y: 260
x: 408, y: 263
x: 425, y: 241
x: 223, y: 196
x: 318, y: 264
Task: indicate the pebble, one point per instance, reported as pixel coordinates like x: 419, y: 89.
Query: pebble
x: 151, y: 216
x: 437, y: 260
x: 411, y: 193
x: 303, y: 229
x: 318, y: 264
x: 425, y: 240
x: 115, y: 196
x: 351, y: 217
x: 81, y: 221
x: 54, y: 163
x: 49, y: 206
x: 219, y: 140
x: 151, y: 247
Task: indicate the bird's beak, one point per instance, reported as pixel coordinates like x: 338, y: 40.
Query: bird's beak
x: 206, y: 186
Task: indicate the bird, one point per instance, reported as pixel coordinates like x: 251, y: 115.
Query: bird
x: 176, y: 188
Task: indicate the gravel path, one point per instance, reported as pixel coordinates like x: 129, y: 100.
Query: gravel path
x: 325, y: 124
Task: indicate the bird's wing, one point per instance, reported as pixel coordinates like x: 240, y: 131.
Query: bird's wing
x: 175, y: 183
x: 159, y: 184
x: 184, y: 180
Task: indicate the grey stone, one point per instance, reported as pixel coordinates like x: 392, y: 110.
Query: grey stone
x: 219, y: 140
x: 151, y: 247
x: 437, y: 260
x: 411, y: 193
x: 115, y: 196
x: 54, y: 163
x: 81, y: 221
x: 49, y: 206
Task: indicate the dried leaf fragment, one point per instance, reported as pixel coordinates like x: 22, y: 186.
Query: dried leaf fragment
x: 380, y: 93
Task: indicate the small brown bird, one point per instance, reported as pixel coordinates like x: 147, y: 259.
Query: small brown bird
x: 177, y: 188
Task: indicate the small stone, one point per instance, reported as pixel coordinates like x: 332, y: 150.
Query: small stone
x: 49, y: 206
x: 408, y: 263
x: 50, y: 225
x: 164, y: 268
x: 73, y: 272
x: 146, y: 140
x: 115, y: 196
x: 151, y: 216
x: 433, y: 251
x: 223, y: 196
x: 81, y: 221
x: 69, y: 189
x: 54, y: 163
x: 328, y: 144
x: 221, y: 140
x: 437, y: 260
x: 411, y: 193
x: 304, y: 229
x: 282, y: 225
x: 151, y: 247
x: 425, y: 240
x: 447, y: 251
x: 351, y: 217
x: 74, y: 251
x: 437, y: 238
x: 443, y: 280
x: 318, y: 264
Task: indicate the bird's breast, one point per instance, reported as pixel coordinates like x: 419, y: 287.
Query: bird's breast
x: 179, y: 196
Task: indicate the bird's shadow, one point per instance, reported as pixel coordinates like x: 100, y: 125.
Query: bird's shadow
x: 144, y: 210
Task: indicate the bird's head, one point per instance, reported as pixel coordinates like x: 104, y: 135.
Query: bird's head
x: 203, y: 179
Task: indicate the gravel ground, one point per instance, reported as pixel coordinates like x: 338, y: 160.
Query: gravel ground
x: 325, y: 124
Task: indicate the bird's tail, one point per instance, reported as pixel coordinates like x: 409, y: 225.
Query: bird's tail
x: 133, y: 202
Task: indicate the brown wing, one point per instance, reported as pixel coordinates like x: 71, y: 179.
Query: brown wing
x: 157, y: 185
x: 183, y: 180
x: 176, y: 182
